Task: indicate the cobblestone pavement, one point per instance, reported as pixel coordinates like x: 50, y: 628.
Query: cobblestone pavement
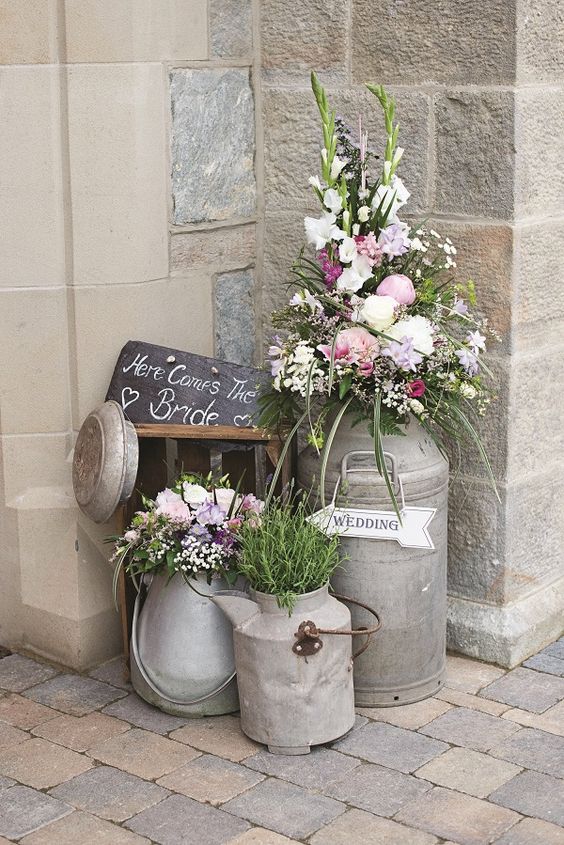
x: 83, y: 760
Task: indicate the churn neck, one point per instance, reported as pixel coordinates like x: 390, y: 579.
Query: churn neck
x: 309, y: 601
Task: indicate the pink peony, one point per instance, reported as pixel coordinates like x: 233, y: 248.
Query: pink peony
x: 354, y: 346
x: 399, y: 287
x: 416, y: 388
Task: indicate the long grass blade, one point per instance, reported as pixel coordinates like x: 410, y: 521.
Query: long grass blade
x: 327, y: 449
x: 283, y: 453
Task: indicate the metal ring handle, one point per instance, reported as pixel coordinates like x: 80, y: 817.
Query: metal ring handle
x: 345, y: 470
x: 147, y: 679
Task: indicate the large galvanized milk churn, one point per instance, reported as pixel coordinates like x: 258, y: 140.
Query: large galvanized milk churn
x: 295, y: 690
x: 182, y: 648
x: 406, y: 662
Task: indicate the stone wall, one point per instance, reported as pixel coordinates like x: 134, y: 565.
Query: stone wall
x: 127, y: 211
x: 480, y: 98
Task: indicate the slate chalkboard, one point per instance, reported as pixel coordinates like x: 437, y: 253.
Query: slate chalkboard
x: 155, y: 384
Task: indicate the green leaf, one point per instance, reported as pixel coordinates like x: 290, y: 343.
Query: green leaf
x: 327, y: 449
x: 345, y: 385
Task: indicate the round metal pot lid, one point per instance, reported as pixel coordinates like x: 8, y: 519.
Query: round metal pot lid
x: 105, y: 462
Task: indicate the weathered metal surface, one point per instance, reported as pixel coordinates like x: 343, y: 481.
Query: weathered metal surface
x: 182, y: 649
x: 287, y: 701
x: 105, y: 462
x: 406, y: 661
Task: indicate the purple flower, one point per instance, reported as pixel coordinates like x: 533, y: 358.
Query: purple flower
x: 468, y: 361
x: 224, y: 539
x: 476, y: 341
x: 210, y: 514
x: 460, y: 307
x: 403, y: 354
x: 200, y: 532
x: 393, y: 239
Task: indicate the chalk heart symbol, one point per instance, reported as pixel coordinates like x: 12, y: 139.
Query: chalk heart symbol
x: 242, y: 420
x: 128, y: 397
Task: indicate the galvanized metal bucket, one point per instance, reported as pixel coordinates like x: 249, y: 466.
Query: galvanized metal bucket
x: 406, y: 662
x: 182, y: 648
x: 295, y: 685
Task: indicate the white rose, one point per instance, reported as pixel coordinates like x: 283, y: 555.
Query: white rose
x: 332, y: 200
x: 194, y: 494
x: 419, y: 329
x: 378, y: 312
x: 224, y: 496
x: 347, y: 250
x: 467, y: 390
x: 364, y: 213
x: 131, y: 536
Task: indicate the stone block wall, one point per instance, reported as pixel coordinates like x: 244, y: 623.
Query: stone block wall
x: 128, y: 210
x: 479, y: 89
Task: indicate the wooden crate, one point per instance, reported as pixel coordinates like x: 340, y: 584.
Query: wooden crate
x: 167, y: 450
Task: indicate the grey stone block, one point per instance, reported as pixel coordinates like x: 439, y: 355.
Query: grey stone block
x: 6, y: 782
x: 293, y: 139
x: 533, y: 749
x: 533, y: 794
x: 231, y: 28
x: 284, y: 808
x: 555, y: 649
x: 460, y: 818
x: 539, y: 151
x: 540, y: 32
x: 296, y: 37
x: 212, y: 145
x: 533, y: 291
x: 546, y: 663
x: 315, y: 770
x: 474, y: 153
x: 113, y: 673
x: 23, y: 810
x: 133, y: 709
x: 533, y: 832
x: 181, y: 821
x: 377, y: 789
x: 74, y: 694
x: 110, y: 793
x: 470, y: 729
x: 389, y: 746
x: 235, y: 317
x: 18, y: 672
x: 526, y: 689
x: 450, y: 43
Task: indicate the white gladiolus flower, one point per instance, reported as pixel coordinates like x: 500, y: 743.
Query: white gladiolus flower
x: 332, y: 200
x: 419, y: 329
x: 362, y: 266
x: 356, y: 229
x: 397, y: 156
x: 336, y: 167
x: 364, y: 213
x: 378, y: 312
x: 386, y: 192
x: 347, y: 250
x: 322, y: 229
x: 349, y: 280
x: 315, y: 183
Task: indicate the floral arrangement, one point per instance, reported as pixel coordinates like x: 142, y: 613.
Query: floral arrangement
x: 378, y: 327
x: 190, y: 528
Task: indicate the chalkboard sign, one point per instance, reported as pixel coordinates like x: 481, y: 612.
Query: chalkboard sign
x: 154, y: 384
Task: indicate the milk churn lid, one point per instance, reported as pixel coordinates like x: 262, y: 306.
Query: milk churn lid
x: 105, y: 462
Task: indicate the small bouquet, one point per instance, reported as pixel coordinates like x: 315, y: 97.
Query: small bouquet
x: 190, y: 528
x: 378, y: 327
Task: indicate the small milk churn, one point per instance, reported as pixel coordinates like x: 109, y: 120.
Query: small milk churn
x: 406, y: 662
x: 295, y: 682
x: 182, y: 648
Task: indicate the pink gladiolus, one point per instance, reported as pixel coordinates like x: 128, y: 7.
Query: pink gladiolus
x: 354, y: 346
x: 368, y: 245
x: 416, y: 388
x: 399, y: 287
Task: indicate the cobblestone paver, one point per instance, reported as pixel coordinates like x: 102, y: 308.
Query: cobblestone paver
x: 84, y: 760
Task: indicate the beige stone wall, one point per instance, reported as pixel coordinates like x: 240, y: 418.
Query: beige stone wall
x: 89, y: 258
x: 480, y: 99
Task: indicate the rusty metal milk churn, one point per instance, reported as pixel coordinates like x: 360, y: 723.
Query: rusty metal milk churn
x: 398, y: 568
x: 294, y: 672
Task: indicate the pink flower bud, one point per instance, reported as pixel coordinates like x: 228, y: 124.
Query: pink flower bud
x: 399, y: 287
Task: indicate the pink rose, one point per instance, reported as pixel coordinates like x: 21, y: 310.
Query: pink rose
x: 399, y: 287
x: 416, y: 388
x: 354, y: 346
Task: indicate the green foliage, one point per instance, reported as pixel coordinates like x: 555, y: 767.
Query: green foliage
x: 286, y: 555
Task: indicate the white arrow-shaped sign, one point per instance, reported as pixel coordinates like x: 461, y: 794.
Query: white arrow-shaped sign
x: 411, y: 532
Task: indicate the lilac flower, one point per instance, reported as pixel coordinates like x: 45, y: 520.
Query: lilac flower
x: 460, y: 307
x: 200, y: 532
x: 393, y: 239
x: 468, y: 361
x: 210, y: 514
x: 403, y: 354
x: 225, y: 539
x: 476, y: 341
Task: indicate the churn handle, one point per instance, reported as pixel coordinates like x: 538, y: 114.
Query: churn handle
x: 392, y: 458
x: 147, y: 679
x: 352, y: 632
